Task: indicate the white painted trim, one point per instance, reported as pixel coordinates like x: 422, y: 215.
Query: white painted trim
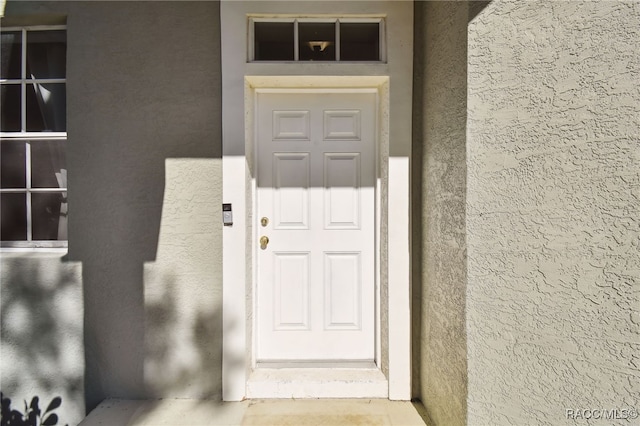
x: 33, y: 136
x: 30, y: 246
x: 36, y: 251
x: 310, y: 90
x: 36, y: 28
x: 23, y: 87
x: 378, y: 226
x: 32, y: 190
x: 28, y: 171
x: 32, y: 80
x: 399, y: 276
x: 234, y: 347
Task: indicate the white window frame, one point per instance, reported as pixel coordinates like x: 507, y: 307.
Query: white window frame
x: 319, y: 20
x: 30, y: 138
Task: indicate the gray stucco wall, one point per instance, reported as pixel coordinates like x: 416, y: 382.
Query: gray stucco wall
x: 145, y: 137
x: 553, y: 208
x: 144, y: 159
x: 439, y: 166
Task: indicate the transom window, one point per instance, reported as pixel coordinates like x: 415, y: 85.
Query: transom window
x: 316, y: 39
x: 33, y: 133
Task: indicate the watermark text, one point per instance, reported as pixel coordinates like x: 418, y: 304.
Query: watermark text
x: 601, y: 413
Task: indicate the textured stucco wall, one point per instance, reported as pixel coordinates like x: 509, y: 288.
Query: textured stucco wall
x: 41, y: 323
x: 553, y: 211
x: 144, y: 148
x: 439, y: 175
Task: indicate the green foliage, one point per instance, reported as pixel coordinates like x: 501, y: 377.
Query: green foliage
x: 32, y: 415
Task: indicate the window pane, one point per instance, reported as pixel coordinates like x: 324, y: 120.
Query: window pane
x: 13, y: 217
x: 49, y: 213
x: 48, y: 164
x: 273, y: 41
x: 359, y: 42
x: 11, y: 54
x: 10, y: 107
x: 46, y: 107
x: 13, y: 170
x: 317, y: 41
x: 46, y: 53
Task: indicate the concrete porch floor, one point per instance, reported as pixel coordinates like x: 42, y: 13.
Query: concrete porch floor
x: 272, y: 412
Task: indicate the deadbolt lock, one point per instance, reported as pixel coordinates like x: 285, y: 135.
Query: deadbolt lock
x: 264, y: 221
x: 264, y: 240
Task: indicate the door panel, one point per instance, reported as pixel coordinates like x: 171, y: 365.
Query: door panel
x: 342, y: 284
x: 316, y: 188
x: 342, y: 190
x: 291, y: 125
x: 291, y: 292
x: 342, y: 125
x: 291, y: 190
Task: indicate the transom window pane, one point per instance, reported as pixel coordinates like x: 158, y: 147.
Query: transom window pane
x: 359, y: 41
x: 317, y: 41
x: 274, y: 41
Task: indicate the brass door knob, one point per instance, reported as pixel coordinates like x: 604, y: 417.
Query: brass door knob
x: 264, y: 240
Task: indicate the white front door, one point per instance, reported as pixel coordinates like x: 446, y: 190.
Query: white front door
x: 316, y: 183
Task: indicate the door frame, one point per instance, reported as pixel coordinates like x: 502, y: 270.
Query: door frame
x: 238, y: 272
x: 254, y: 246
x: 394, y: 79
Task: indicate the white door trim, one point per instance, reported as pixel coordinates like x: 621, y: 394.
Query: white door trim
x: 238, y: 279
x: 238, y: 274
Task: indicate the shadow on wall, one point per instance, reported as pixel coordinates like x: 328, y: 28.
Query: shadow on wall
x: 182, y: 346
x: 153, y: 322
x: 476, y: 7
x: 439, y: 347
x: 33, y: 415
x: 183, y: 351
x: 42, y: 332
x: 139, y: 97
x: 153, y: 329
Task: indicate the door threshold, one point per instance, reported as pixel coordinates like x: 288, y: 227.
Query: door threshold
x: 314, y: 382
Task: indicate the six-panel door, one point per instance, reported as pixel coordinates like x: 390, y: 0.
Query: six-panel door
x: 316, y: 190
